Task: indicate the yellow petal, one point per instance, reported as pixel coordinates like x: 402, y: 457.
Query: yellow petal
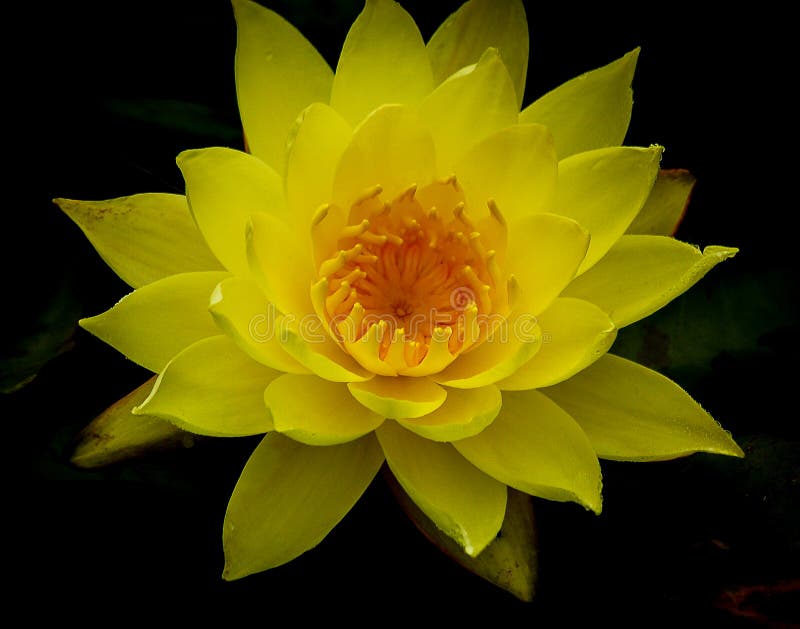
x: 512, y: 345
x: 117, y: 435
x: 280, y: 261
x: 575, y: 333
x: 465, y: 413
x: 278, y: 74
x: 309, y: 343
x: 590, y: 111
x: 468, y: 107
x: 224, y: 188
x: 383, y: 60
x: 535, y: 447
x: 516, y: 167
x: 666, y: 205
x: 399, y: 397
x: 391, y: 149
x: 289, y: 497
x: 317, y: 144
x: 462, y: 501
x: 544, y: 252
x: 477, y: 25
x: 212, y: 388
x: 632, y: 413
x: 153, y: 323
x: 317, y: 412
x: 144, y: 237
x: 243, y: 313
x: 641, y: 274
x: 604, y: 190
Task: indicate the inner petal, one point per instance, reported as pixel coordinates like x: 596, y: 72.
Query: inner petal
x: 410, y: 283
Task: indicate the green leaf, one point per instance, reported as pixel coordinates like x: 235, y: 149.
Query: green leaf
x: 177, y: 115
x: 509, y: 562
x: 682, y: 338
x: 40, y: 338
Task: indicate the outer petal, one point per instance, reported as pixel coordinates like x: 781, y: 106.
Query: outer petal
x: 280, y: 260
x: 535, y: 447
x: 516, y: 167
x: 630, y: 412
x: 461, y: 500
x: 155, y: 322
x: 604, y: 190
x: 641, y: 274
x: 318, y: 142
x: 666, y: 205
x: 513, y: 344
x: 383, y: 60
x: 278, y: 74
x: 224, y: 188
x: 212, y: 388
x: 468, y: 107
x: 289, y: 497
x: 576, y: 333
x: 589, y: 112
x: 143, y: 238
x: 544, y: 252
x: 391, y: 149
x: 117, y: 435
x: 477, y: 25
x: 317, y: 412
x: 398, y: 396
x: 465, y: 413
x: 241, y: 311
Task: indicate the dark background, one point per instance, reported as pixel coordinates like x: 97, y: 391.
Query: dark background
x: 104, y: 95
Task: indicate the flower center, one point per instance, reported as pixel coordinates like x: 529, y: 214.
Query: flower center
x: 413, y: 282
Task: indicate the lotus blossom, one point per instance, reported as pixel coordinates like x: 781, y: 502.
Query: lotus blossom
x: 406, y: 267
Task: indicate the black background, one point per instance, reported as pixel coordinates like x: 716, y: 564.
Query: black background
x: 676, y: 541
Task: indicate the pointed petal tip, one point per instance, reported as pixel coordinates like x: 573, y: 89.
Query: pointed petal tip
x: 735, y: 451
x: 591, y: 501
x: 464, y: 542
x: 723, y: 253
x: 490, y: 54
x: 725, y: 446
x: 596, y: 504
x: 87, y: 323
x: 64, y: 204
x: 633, y: 56
x: 228, y: 572
x: 626, y: 64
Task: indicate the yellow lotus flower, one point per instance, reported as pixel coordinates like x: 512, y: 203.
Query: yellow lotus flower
x: 406, y: 268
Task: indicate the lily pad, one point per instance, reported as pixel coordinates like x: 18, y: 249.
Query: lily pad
x: 40, y: 338
x: 733, y: 317
x: 177, y: 115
